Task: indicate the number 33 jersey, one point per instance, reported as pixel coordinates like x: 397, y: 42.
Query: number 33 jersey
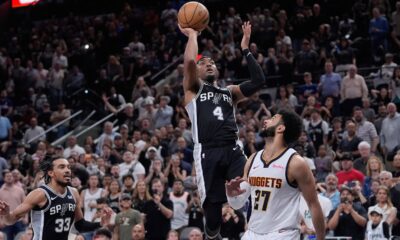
x: 275, y: 202
x: 55, y: 218
x: 212, y: 115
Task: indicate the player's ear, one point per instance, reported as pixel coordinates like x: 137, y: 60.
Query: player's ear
x: 281, y: 128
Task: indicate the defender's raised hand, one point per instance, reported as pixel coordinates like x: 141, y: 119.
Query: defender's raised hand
x: 233, y: 187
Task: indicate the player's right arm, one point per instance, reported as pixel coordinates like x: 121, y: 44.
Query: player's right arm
x: 35, y: 198
x: 191, y: 82
x: 238, y: 189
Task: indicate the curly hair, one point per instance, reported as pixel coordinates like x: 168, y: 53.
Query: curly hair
x: 293, y: 125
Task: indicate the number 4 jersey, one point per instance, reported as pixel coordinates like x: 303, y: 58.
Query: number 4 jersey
x: 55, y: 218
x: 275, y: 202
x: 212, y: 115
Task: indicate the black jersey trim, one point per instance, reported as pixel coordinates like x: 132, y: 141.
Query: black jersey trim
x: 73, y: 195
x: 266, y: 165
x: 251, y: 163
x: 46, y: 206
x: 293, y: 185
x: 58, y: 195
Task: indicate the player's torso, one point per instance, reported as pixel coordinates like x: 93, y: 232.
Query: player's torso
x: 212, y: 115
x: 55, y: 219
x: 271, y: 194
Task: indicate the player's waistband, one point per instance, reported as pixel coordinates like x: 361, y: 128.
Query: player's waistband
x: 220, y: 144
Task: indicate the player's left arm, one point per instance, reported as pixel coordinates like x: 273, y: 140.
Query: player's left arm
x: 257, y: 78
x: 80, y: 223
x: 300, y: 172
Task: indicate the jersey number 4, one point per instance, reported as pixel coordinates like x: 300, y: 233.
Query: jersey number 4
x: 261, y: 200
x: 218, y: 113
x: 63, y: 225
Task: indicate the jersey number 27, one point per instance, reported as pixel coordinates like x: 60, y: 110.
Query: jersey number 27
x: 261, y: 200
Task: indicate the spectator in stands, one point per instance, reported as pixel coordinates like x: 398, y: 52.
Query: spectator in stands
x: 352, y: 90
x: 195, y: 234
x: 380, y: 117
x: 141, y: 195
x: 138, y: 232
x: 114, y: 195
x: 389, y: 135
x: 164, y: 113
x: 368, y: 112
x: 128, y: 184
x: 60, y: 115
x: 233, y: 223
x: 323, y: 163
x: 5, y: 134
x: 317, y: 129
x: 384, y: 202
x: 307, y: 59
x: 348, y: 219
x: 330, y: 190
x: 308, y: 89
x: 132, y: 166
x: 396, y: 166
x: 378, y: 30
x: 348, y: 173
x: 126, y: 219
x: 374, y: 167
x: 329, y: 85
x: 14, y: 195
x: 365, y: 129
x: 159, y: 212
x: 33, y: 132
x: 108, y: 133
x: 72, y: 146
x: 180, y: 199
x: 364, y: 148
x: 343, y: 55
x: 376, y: 227
x: 350, y: 142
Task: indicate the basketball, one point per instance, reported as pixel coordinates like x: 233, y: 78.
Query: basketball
x: 193, y: 15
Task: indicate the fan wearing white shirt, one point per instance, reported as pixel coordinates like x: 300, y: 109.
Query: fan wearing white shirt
x: 132, y: 164
x: 72, y: 146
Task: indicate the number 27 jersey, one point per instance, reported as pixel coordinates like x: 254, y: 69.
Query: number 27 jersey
x: 212, y: 114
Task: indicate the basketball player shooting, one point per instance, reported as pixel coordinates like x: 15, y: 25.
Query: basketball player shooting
x: 274, y: 178
x: 212, y: 112
x: 54, y: 206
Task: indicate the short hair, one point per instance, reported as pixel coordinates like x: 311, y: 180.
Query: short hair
x: 103, y: 232
x: 364, y: 144
x: 102, y: 200
x: 293, y: 125
x: 127, y: 176
x: 386, y: 173
x: 5, y: 171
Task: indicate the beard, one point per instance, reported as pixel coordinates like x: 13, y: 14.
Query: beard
x: 269, y: 132
x: 62, y: 183
x: 358, y: 119
x: 209, y: 79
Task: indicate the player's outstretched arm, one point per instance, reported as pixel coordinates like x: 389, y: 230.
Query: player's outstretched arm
x: 301, y: 173
x: 257, y: 77
x: 84, y: 226
x: 35, y: 198
x: 190, y: 79
x: 238, y: 189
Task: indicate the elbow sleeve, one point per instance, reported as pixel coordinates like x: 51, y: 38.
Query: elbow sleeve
x: 238, y: 201
x: 85, y: 226
x: 257, y: 78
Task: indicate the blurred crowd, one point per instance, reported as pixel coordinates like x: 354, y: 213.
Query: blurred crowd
x: 334, y: 62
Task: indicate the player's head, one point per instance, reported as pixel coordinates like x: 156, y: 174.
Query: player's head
x: 57, y: 170
x: 286, y: 123
x: 207, y: 69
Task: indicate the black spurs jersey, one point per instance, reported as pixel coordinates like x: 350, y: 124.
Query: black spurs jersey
x: 54, y: 220
x: 212, y: 115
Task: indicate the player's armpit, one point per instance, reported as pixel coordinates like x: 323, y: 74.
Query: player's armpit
x: 249, y: 162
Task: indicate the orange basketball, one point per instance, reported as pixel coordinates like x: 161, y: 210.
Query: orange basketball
x: 193, y: 15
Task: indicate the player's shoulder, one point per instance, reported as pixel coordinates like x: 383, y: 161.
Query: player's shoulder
x: 248, y: 164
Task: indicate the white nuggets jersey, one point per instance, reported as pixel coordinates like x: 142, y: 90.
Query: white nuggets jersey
x: 275, y: 202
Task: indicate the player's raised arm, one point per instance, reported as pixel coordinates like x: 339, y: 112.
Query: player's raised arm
x: 81, y: 224
x: 257, y: 77
x: 35, y: 198
x: 190, y: 79
x: 300, y: 172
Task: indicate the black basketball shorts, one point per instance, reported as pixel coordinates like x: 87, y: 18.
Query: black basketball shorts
x: 214, y: 166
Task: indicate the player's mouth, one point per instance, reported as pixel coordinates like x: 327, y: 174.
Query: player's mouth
x: 67, y: 177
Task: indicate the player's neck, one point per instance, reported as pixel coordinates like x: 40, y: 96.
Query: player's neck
x: 273, y: 147
x: 57, y: 188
